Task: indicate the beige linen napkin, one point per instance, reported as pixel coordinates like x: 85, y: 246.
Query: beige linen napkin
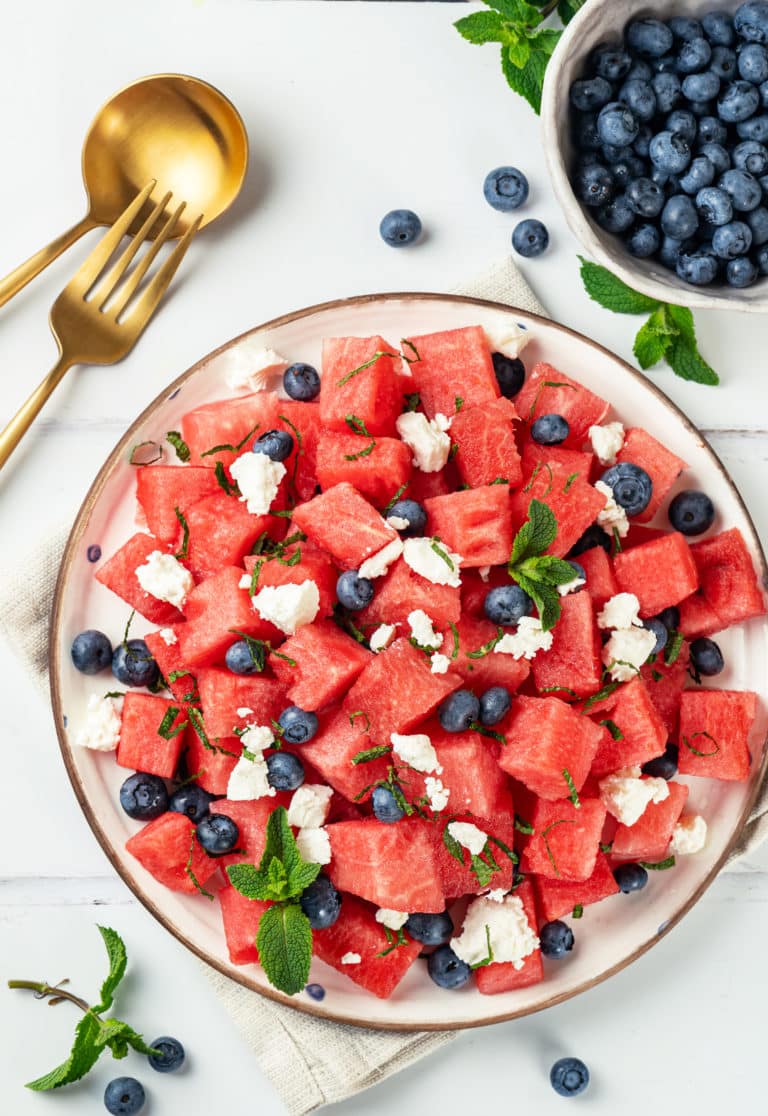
x: 309, y: 1061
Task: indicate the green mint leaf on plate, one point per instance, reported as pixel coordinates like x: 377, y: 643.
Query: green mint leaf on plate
x: 118, y: 960
x: 284, y: 942
x: 83, y: 1056
x: 282, y: 873
x: 536, y: 534
x: 604, y: 287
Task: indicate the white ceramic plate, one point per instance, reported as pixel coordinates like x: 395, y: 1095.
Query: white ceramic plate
x: 613, y: 932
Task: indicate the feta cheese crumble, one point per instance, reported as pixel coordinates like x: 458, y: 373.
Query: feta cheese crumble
x: 393, y: 920
x: 439, y: 663
x: 250, y: 366
x: 245, y: 581
x: 249, y: 779
x: 496, y: 895
x: 416, y: 751
x: 468, y: 836
x: 398, y: 522
x: 164, y: 577
x: 509, y: 338
x: 168, y: 636
x: 526, y: 641
x: 426, y: 438
x: 607, y: 441
x: 613, y: 515
x: 689, y: 835
x: 258, y: 478
x: 313, y: 845
x: 485, y: 572
x: 244, y: 711
x: 381, y: 637
x: 423, y: 629
x: 100, y: 731
x: 571, y: 586
x: 424, y: 560
x: 378, y: 564
x: 626, y: 651
x: 310, y: 805
x: 621, y: 611
x: 504, y: 925
x: 288, y: 607
x: 257, y: 738
x: 351, y: 959
x: 437, y: 794
x: 626, y: 796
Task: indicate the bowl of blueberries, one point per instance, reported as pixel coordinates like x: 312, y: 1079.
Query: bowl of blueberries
x: 656, y: 135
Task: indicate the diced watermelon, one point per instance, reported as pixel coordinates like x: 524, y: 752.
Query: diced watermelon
x: 422, y: 486
x: 453, y: 364
x: 580, y: 407
x: 648, y: 839
x: 481, y: 669
x: 662, y: 466
x: 251, y: 819
x: 343, y: 523
x: 333, y: 749
x: 728, y: 585
x: 458, y: 879
x: 236, y: 422
x: 474, y: 589
x: 222, y: 531
x: 559, y: 897
x: 392, y: 866
x: 475, y: 523
x: 601, y: 580
x: 217, y: 611
x: 240, y: 917
x: 402, y: 590
x: 471, y: 771
x: 321, y: 664
x: 660, y: 573
x: 573, y: 661
x: 643, y: 733
x: 665, y: 691
x: 119, y: 574
x: 485, y: 438
x: 716, y: 723
x: 547, y: 738
x: 181, y: 681
x: 573, y: 461
x: 212, y: 769
x: 638, y: 534
x: 503, y: 976
x: 357, y: 931
x: 223, y: 693
x: 371, y: 394
x: 303, y: 422
x: 574, y: 503
x: 168, y: 850
x: 566, y: 839
x: 160, y: 489
x: 376, y: 467
x: 698, y: 618
x: 141, y: 746
x: 313, y: 565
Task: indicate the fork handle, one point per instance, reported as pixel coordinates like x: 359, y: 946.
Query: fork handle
x: 28, y: 412
x: 27, y: 271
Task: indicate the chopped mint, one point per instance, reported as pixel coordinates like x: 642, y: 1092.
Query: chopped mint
x: 659, y: 865
x: 228, y: 447
x: 613, y: 729
x: 696, y: 752
x: 184, y: 551
x: 357, y: 426
x: 412, y: 401
x: 573, y: 794
x: 230, y: 487
x: 523, y: 826
x: 361, y: 367
x: 360, y: 713
x: 578, y: 911
x: 372, y: 754
x: 441, y: 553
x: 166, y: 727
x: 544, y: 834
x: 178, y: 443
x: 673, y: 648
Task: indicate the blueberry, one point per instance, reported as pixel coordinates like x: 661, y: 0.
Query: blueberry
x: 666, y: 64
x: 590, y: 93
x: 506, y: 188
x: 133, y: 665
x: 630, y: 877
x: 299, y: 726
x: 353, y: 591
x: 446, y: 969
x: 301, y: 382
x: 617, y: 124
x: 737, y: 101
x: 699, y: 175
x: 723, y: 63
x: 645, y: 197
x: 569, y: 1077
x: 669, y: 252
x: 285, y: 771
x: 660, y: 631
x: 585, y: 135
x: 679, y: 218
x: 754, y: 129
x: 742, y: 188
x: 192, y: 801
x: 639, y: 69
x: 321, y: 903
x: 702, y: 87
x: 617, y: 216
x: 692, y: 57
x: 143, y: 796
x: 731, y: 240
x: 643, y: 141
x: 413, y: 512
x: 171, y: 1056
x: 714, y: 206
x: 494, y: 705
x: 530, y: 238
x: 663, y: 767
x: 458, y: 711
x: 668, y: 91
x: 594, y: 185
x: 650, y: 38
x: 315, y: 991
x: 91, y: 652
x: 706, y: 657
x: 631, y: 486
x: 93, y: 553
x: 239, y: 658
x: 761, y: 259
x: 510, y: 376
x: 753, y: 63
x: 718, y: 27
x: 717, y: 155
x: 691, y: 512
x: 751, y: 156
x: 644, y: 241
x: 430, y: 929
x: 610, y: 61
x: 638, y: 96
x: 670, y: 152
x: 625, y: 170
x: 592, y: 537
x: 670, y: 617
x: 763, y: 102
x: 684, y: 28
x: 400, y: 227
x: 550, y: 430
x: 507, y: 604
x: 683, y: 123
x: 385, y: 806
x: 556, y: 939
x: 758, y: 223
x: 741, y: 272
x: 699, y: 268
x: 277, y: 445
x: 751, y: 21
x: 124, y: 1096
x: 217, y: 833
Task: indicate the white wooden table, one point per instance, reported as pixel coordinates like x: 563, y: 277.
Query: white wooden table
x: 352, y: 109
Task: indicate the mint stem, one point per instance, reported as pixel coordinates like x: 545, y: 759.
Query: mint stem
x: 42, y: 990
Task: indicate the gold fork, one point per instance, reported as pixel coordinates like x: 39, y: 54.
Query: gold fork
x: 103, y: 328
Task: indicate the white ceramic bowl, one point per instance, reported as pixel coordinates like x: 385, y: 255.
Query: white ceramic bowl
x: 600, y: 21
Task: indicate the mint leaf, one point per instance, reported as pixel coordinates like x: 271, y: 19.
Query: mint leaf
x: 535, y: 535
x: 118, y: 1037
x: 682, y: 319
x: 545, y: 41
x: 546, y: 599
x: 567, y: 9
x: 518, y: 51
x: 83, y: 1056
x: 453, y: 846
x: 516, y: 10
x: 281, y: 843
x: 653, y: 338
x: 482, y: 27
x: 612, y: 293
x: 282, y: 873
x: 527, y: 80
x: 118, y: 960
x: 178, y: 443
x: 686, y: 361
x: 284, y: 942
x: 248, y: 880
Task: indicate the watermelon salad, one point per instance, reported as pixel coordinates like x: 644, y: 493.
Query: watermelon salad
x: 431, y: 644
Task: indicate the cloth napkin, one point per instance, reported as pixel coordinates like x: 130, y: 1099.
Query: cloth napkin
x: 309, y: 1061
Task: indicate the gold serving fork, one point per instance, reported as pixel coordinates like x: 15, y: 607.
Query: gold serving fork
x: 101, y: 313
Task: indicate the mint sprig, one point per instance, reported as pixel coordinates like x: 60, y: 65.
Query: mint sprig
x: 539, y: 574
x: 667, y: 334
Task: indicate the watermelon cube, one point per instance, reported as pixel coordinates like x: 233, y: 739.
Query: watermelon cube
x: 240, y: 918
x: 222, y: 531
x: 665, y: 684
x: 485, y: 439
x: 474, y: 589
x: 453, y: 364
x: 643, y: 734
x: 660, y: 573
x: 142, y: 747
x: 422, y: 486
x: 371, y: 394
x: 471, y: 771
x: 234, y: 422
x: 375, y: 467
x: 458, y: 879
x: 475, y: 523
x: 573, y: 662
x: 548, y: 738
x: 313, y: 565
x: 566, y: 839
x: 402, y: 590
x: 212, y: 765
x: 343, y: 523
x: 181, y: 681
x: 357, y: 931
x: 331, y: 752
x: 392, y: 866
x: 168, y: 850
x: 574, y: 503
x: 601, y: 580
x: 160, y: 489
x: 321, y: 662
x: 648, y: 839
x: 662, y: 466
x: 217, y: 611
x: 119, y: 574
x: 251, y: 819
x: 303, y: 423
x: 714, y: 733
x: 728, y: 586
x: 223, y: 693
x: 548, y: 391
x: 559, y: 897
x: 479, y: 668
x: 503, y: 976
x: 573, y: 461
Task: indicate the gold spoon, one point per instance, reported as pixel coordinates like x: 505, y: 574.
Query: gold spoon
x: 176, y: 129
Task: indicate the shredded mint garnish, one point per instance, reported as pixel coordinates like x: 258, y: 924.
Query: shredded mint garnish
x: 573, y: 794
x: 414, y: 350
x: 360, y: 713
x: 184, y: 551
x: 607, y: 847
x: 569, y: 481
x: 558, y: 690
x: 228, y: 447
x: 483, y: 730
x: 455, y: 634
x: 500, y: 480
x: 361, y: 367
x: 578, y: 911
x: 392, y: 941
x: 613, y: 729
x: 166, y: 727
x: 412, y: 401
x: 178, y: 443
x: 458, y: 403
x: 673, y: 648
x: 231, y: 488
x: 523, y: 826
x: 486, y: 649
x: 696, y: 752
x: 441, y: 553
x: 344, y: 621
x: 548, y: 384
x: 659, y: 866
x: 656, y: 675
x: 372, y: 754
x: 536, y: 470
x: 190, y: 873
x: 149, y: 457
x: 545, y: 832
x: 257, y: 648
x: 388, y: 507
x: 601, y: 695
x: 487, y: 960
x: 357, y: 426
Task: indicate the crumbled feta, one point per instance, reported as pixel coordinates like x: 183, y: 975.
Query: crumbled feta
x: 310, y: 805
x: 423, y: 629
x: 626, y: 651
x: 100, y: 730
x: 250, y: 366
x: 423, y: 559
x: 313, y: 845
x: 416, y: 751
x: 382, y: 637
x: 437, y: 794
x: 626, y: 797
x: 164, y: 577
x: 689, y: 835
x: 426, y: 438
x: 245, y: 581
x: 509, y: 338
x: 485, y: 572
x: 168, y: 636
x: 571, y: 586
x: 351, y: 959
x: 257, y: 738
x: 621, y: 611
x: 258, y: 478
x: 249, y: 779
x: 440, y: 664
x: 378, y: 564
x: 612, y: 516
x: 496, y: 895
x: 394, y: 920
x: 244, y: 711
x: 289, y: 607
x: 398, y: 522
x: 504, y: 926
x: 526, y: 641
x: 607, y: 441
x: 468, y: 836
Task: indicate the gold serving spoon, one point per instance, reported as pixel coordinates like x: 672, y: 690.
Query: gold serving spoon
x: 176, y: 129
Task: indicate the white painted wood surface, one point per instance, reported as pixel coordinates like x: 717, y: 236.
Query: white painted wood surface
x: 353, y: 109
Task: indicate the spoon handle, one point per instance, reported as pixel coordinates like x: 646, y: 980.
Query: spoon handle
x: 19, y: 278
x: 26, y: 414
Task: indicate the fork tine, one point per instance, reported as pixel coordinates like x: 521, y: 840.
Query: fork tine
x: 131, y: 284
x: 110, y: 280
x: 149, y: 298
x: 89, y: 272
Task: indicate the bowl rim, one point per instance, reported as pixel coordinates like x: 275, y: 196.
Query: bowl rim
x: 119, y: 864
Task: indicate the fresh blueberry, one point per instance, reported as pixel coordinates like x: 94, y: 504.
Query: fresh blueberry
x: 239, y: 658
x: 494, y: 705
x: 612, y: 154
x: 723, y: 63
x: 143, y: 796
x: 585, y: 135
x: 630, y: 877
x: 639, y: 69
x: 301, y: 382
x: 385, y: 806
x: 124, y: 1096
x: 171, y: 1056
x: 692, y: 57
x: 446, y: 969
x: 731, y: 240
x: 321, y: 903
x: 556, y: 939
x: 93, y: 553
x: 659, y: 630
x: 754, y: 129
x: 192, y: 801
x: 669, y: 252
x: 413, y: 512
x: 315, y: 991
x: 761, y: 259
x: 458, y: 711
x: 764, y: 103
x: 683, y: 123
x: 285, y: 771
x: 718, y: 27
x: 400, y: 227
x: 644, y: 241
x: 217, y: 833
x: 643, y: 141
x: 666, y: 64
x: 684, y: 28
x: 714, y: 206
x: 679, y: 218
x: 430, y: 929
x: 569, y: 1077
x: 691, y: 512
x: 353, y: 591
x: 737, y: 101
x: 617, y: 216
x: 758, y: 223
x: 611, y: 62
x: 645, y: 197
x: 706, y: 657
x: 741, y: 272
x: 701, y: 88
x: 717, y: 155
x: 742, y: 188
x: 631, y: 486
x: 133, y: 665
x: 91, y: 652
x: 670, y: 617
x: 751, y: 156
x: 594, y: 185
x: 510, y: 376
x: 617, y: 124
x: 699, y: 268
x: 650, y: 38
x: 668, y: 91
x: 592, y: 537
x: 507, y: 604
x: 590, y: 93
x: 550, y: 430
x: 670, y: 152
x: 506, y: 188
x: 638, y: 96
x: 753, y: 63
x: 298, y: 725
x: 625, y: 170
x: 530, y: 238
x: 699, y: 175
x: 277, y: 445
x: 663, y: 767
x: 751, y: 21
